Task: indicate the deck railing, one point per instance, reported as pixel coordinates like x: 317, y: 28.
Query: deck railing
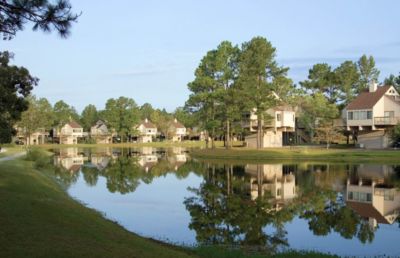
x: 386, y: 120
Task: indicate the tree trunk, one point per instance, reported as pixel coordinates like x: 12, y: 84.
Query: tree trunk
x: 212, y: 139
x: 260, y: 136
x: 227, y: 137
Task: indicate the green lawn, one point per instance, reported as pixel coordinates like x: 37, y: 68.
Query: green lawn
x: 39, y: 219
x: 299, y: 154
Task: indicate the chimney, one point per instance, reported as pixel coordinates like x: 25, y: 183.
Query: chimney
x: 146, y: 120
x: 175, y: 120
x: 373, y: 86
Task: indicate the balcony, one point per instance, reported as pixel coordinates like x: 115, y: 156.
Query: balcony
x: 386, y: 120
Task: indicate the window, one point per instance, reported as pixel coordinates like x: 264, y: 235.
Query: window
x: 350, y: 115
x: 356, y: 115
x: 369, y: 114
x: 389, y: 113
x: 359, y: 115
x: 278, y: 117
x: 278, y: 192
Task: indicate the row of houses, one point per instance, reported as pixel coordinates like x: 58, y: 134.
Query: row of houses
x: 368, y: 119
x: 72, y: 133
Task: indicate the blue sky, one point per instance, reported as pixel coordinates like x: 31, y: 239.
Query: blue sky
x: 148, y: 50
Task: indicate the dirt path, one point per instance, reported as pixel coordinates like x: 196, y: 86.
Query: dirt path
x: 14, y: 156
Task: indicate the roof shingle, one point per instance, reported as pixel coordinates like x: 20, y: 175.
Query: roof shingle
x: 367, y: 100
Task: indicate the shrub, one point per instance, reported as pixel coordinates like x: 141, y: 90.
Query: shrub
x: 40, y: 158
x: 395, y: 134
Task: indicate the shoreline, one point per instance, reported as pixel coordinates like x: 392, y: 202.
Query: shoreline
x: 298, y: 154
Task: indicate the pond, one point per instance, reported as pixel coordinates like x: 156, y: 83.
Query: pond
x: 345, y: 209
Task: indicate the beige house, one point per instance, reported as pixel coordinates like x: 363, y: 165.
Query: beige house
x: 38, y: 137
x: 147, y: 130
x: 373, y: 200
x: 282, y: 120
x: 100, y: 133
x: 271, y: 179
x: 177, y: 131
x: 371, y: 114
x: 69, y: 133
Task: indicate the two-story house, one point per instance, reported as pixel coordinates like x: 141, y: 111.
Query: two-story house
x: 100, y: 133
x: 177, y: 131
x: 37, y: 137
x: 279, y: 122
x: 147, y: 130
x: 68, y: 133
x: 371, y: 113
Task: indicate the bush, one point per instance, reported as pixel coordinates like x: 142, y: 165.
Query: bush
x: 40, y: 158
x: 395, y: 135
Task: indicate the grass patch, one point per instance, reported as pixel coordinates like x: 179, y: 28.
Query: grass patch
x: 219, y: 252
x: 39, y: 219
x: 299, y: 154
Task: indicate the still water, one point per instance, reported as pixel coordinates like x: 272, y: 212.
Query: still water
x: 345, y: 209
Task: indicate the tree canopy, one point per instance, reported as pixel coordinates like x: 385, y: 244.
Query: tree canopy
x: 45, y: 15
x: 16, y: 84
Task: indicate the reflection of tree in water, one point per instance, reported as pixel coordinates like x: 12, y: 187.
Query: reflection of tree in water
x: 325, y: 209
x: 223, y: 212
x: 64, y: 177
x: 90, y: 175
x: 122, y: 175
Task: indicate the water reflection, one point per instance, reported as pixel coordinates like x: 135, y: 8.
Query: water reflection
x: 252, y: 205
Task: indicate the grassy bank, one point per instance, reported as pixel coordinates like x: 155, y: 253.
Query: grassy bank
x: 299, y: 154
x: 38, y: 219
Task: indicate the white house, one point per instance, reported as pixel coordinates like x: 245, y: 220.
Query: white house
x: 35, y: 138
x: 371, y: 113
x: 69, y: 133
x: 147, y: 131
x: 282, y: 120
x: 177, y: 130
x: 100, y: 133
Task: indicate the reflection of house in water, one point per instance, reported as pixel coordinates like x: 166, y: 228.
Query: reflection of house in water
x: 101, y: 158
x: 147, y: 158
x: 70, y: 159
x: 276, y: 180
x: 369, y: 195
x: 177, y: 157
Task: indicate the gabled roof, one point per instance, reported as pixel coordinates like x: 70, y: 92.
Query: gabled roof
x: 99, y: 124
x: 176, y: 124
x: 367, y: 100
x: 74, y: 124
x: 148, y: 124
x: 366, y: 210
